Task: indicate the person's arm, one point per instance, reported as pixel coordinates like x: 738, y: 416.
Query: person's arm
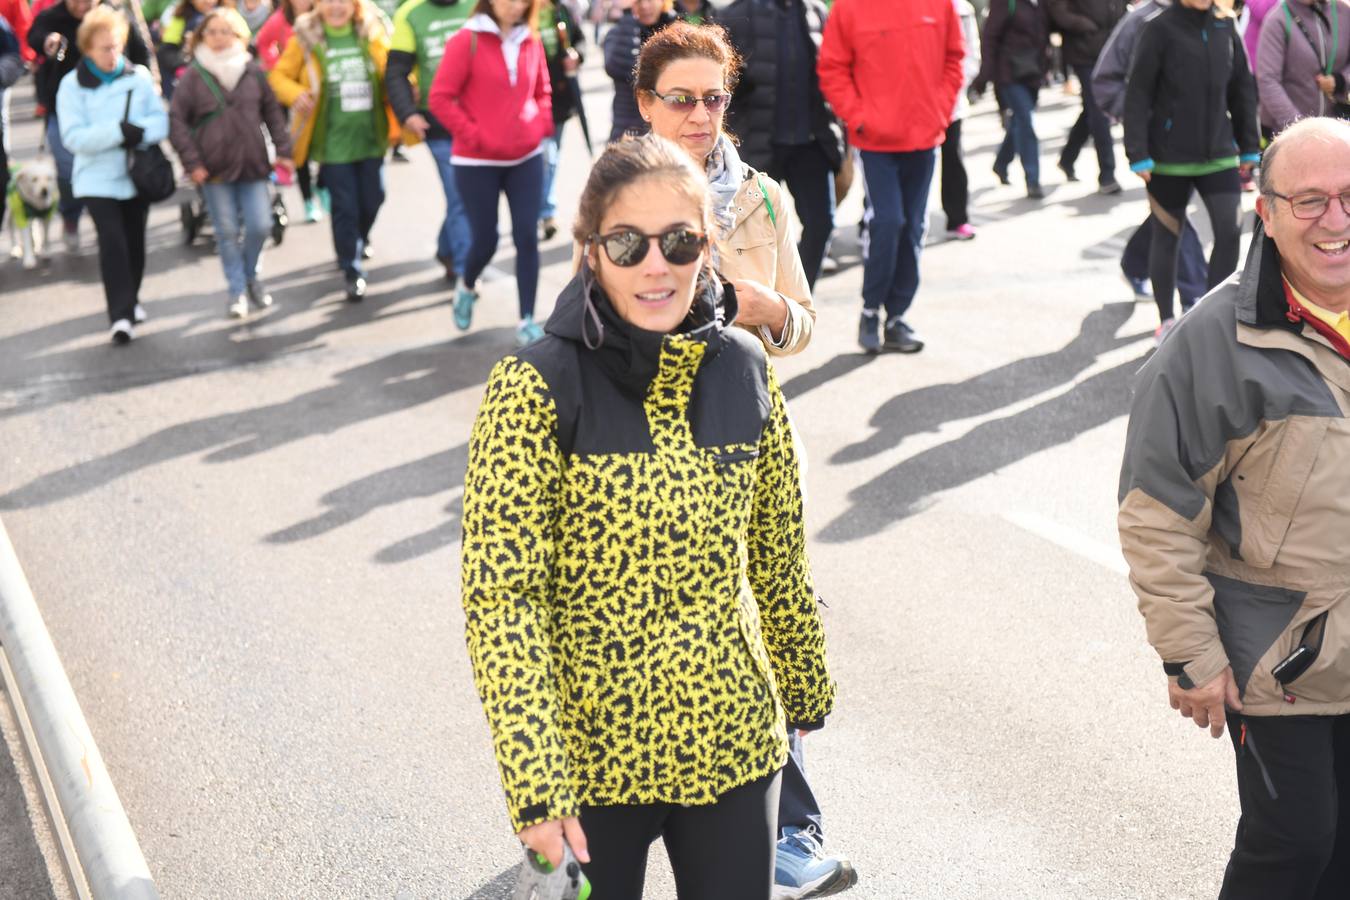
x: 543, y: 94
x: 789, y: 281
x: 1166, y: 500
x: 1140, y: 88
x: 1242, y: 106
x: 780, y: 575
x: 182, y: 120
x: 507, y: 560
x: 274, y: 117
x: 834, y: 67
x: 287, y: 76
x: 1275, y: 101
x: 446, y: 87
x: 38, y: 32
x: 1065, y: 17
x: 1113, y: 64
x: 398, y: 73
x: 147, y: 110
x: 619, y: 59
x: 991, y: 41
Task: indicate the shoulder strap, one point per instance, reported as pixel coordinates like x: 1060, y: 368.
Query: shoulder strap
x: 773, y: 216
x: 1329, y: 63
x: 126, y: 116
x: 211, y: 84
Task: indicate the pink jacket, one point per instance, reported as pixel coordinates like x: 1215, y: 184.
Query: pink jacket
x: 272, y: 39
x: 1256, y: 14
x: 490, y: 118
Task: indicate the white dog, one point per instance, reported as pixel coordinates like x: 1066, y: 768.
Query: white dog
x: 31, y: 200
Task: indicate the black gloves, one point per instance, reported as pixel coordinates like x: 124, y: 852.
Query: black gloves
x: 132, y: 135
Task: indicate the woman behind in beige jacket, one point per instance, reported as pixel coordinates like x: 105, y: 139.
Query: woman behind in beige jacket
x: 684, y: 78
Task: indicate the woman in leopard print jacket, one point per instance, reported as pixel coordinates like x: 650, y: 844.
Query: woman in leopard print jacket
x: 640, y: 613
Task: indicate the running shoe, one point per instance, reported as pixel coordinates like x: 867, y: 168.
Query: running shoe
x: 465, y: 298
x: 258, y: 296
x: 1035, y: 192
x: 70, y: 236
x: 313, y: 212
x: 325, y: 200
x: 238, y: 308
x: 356, y: 289
x: 548, y: 228
x: 1069, y: 174
x: 527, y: 332
x: 803, y: 869
x: 121, y: 332
x: 1143, y: 291
x: 1002, y: 175
x: 1109, y: 187
x: 138, y: 314
x: 961, y: 233
x: 869, y: 333
x: 900, y: 337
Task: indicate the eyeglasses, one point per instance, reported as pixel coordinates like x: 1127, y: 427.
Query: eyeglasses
x: 1313, y: 205
x: 628, y: 246
x: 714, y: 103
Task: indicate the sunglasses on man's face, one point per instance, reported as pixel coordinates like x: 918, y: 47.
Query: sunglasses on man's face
x: 628, y: 246
x: 714, y: 103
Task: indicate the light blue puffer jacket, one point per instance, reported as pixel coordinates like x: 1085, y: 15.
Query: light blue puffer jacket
x: 90, y: 114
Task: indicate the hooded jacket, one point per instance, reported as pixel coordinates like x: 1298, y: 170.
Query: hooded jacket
x: 622, y: 44
x: 1113, y: 63
x: 495, y: 119
x: 1290, y: 62
x: 639, y: 608
x: 226, y: 137
x: 891, y: 71
x: 1234, y: 495
x: 1190, y: 97
x: 90, y: 114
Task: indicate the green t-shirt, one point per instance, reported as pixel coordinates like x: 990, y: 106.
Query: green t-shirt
x: 422, y: 29
x: 548, y: 30
x: 350, y: 98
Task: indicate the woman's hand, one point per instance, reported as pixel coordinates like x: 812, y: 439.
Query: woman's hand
x: 304, y: 104
x: 760, y: 306
x: 1146, y: 175
x: 286, y: 163
x: 417, y: 124
x: 547, y: 838
x: 199, y: 175
x: 1327, y: 84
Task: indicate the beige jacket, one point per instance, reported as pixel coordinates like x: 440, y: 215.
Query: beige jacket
x: 764, y: 250
x: 1235, y: 496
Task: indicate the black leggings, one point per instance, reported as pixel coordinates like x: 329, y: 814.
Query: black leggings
x: 724, y: 851
x: 121, y: 251
x: 955, y: 184
x: 1168, y: 195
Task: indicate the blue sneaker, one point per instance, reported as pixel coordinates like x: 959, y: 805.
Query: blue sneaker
x: 527, y: 332
x: 464, y: 301
x: 802, y: 868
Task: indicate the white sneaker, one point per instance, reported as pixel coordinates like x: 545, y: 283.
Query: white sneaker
x: 70, y: 239
x: 258, y: 296
x: 138, y: 314
x: 238, y: 307
x: 122, y: 332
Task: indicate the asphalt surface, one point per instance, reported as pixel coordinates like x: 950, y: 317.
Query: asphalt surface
x: 244, y: 538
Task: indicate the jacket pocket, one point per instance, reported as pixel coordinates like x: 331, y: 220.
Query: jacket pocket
x: 1251, y: 618
x: 1324, y: 681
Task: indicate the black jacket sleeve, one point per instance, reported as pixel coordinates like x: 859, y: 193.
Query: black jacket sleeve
x: 398, y: 84
x: 1242, y: 101
x: 991, y: 43
x: 1140, y: 88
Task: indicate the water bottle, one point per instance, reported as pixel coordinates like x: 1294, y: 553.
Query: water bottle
x: 540, y: 881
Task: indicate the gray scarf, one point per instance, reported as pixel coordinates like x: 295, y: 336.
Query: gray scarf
x: 725, y: 174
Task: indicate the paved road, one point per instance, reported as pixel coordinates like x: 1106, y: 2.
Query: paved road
x: 245, y: 541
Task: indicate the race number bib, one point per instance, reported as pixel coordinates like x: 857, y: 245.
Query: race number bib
x: 355, y: 96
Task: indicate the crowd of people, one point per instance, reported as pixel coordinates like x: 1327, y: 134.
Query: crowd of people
x: 639, y: 686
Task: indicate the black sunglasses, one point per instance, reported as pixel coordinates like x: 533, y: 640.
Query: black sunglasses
x: 628, y: 246
x: 714, y: 103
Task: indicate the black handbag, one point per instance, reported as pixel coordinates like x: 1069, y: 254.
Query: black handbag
x: 150, y: 170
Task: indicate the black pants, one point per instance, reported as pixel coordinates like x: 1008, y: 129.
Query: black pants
x: 121, y: 251
x: 955, y: 184
x: 1294, y: 845
x: 1192, y: 272
x: 1094, y: 122
x: 724, y: 851
x: 806, y: 172
x: 1167, y: 197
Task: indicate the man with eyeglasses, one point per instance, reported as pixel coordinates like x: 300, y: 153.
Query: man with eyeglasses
x: 1234, y: 507
x: 891, y: 71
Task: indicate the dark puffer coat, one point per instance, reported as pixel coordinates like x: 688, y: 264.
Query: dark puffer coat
x: 622, y: 45
x: 1086, y: 25
x: 226, y: 139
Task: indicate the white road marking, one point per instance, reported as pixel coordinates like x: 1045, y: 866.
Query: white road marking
x: 1075, y: 542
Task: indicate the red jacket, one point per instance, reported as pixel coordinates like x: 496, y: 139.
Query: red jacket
x: 891, y: 69
x: 19, y: 17
x: 472, y: 96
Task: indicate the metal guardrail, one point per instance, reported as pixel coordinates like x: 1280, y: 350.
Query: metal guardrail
x: 102, y: 857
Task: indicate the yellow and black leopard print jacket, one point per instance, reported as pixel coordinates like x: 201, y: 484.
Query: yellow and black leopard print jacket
x: 639, y: 607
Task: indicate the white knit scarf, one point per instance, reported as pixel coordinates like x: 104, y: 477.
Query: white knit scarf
x: 226, y: 67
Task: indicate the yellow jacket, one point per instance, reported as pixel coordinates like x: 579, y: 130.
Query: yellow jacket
x: 298, y: 71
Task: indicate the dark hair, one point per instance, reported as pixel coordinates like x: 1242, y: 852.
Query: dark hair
x: 531, y: 14
x: 287, y: 11
x: 185, y: 9
x: 680, y: 40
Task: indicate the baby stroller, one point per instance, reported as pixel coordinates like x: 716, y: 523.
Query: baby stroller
x: 196, y: 220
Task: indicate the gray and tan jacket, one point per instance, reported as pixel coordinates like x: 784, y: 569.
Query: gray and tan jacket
x: 1235, y: 495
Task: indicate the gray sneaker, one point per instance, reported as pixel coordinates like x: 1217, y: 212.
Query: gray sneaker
x: 258, y: 296
x: 901, y: 338
x: 869, y: 333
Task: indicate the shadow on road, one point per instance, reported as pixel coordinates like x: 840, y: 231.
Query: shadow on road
x: 900, y: 491
x: 394, y: 383
x: 499, y: 888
